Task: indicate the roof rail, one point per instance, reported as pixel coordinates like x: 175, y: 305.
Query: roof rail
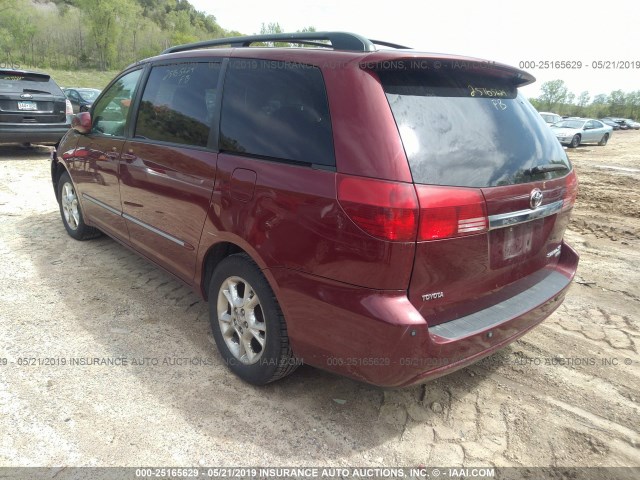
x: 339, y: 41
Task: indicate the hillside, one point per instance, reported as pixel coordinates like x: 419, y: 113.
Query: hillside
x: 97, y: 34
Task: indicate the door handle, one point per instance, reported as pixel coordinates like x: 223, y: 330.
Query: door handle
x: 113, y: 153
x: 129, y: 156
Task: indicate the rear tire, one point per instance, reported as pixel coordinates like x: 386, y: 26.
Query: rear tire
x: 575, y: 141
x: 604, y: 140
x: 247, y: 322
x: 71, y: 212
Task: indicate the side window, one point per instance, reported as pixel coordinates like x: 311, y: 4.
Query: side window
x: 597, y: 124
x: 111, y: 111
x: 277, y: 110
x: 590, y: 125
x: 178, y: 103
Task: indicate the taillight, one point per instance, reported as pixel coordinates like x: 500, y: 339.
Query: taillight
x: 571, y: 191
x: 69, y: 107
x: 386, y: 210
x: 447, y: 212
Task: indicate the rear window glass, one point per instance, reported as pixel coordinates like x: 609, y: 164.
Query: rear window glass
x: 276, y: 110
x: 23, y: 82
x: 89, y: 95
x: 570, y: 124
x: 469, y: 130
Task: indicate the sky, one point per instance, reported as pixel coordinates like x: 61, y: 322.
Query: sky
x: 503, y: 31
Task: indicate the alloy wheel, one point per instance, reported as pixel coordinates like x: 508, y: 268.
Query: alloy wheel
x: 70, y: 206
x: 241, y: 320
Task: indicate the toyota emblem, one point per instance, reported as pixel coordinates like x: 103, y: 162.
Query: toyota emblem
x: 536, y: 198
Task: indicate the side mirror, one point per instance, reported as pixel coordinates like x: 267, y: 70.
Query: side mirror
x: 81, y: 122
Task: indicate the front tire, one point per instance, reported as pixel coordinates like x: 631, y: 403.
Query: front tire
x: 604, y: 140
x: 247, y: 322
x: 71, y: 212
x: 575, y: 141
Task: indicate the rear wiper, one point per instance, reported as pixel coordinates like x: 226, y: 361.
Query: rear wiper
x: 545, y: 169
x: 32, y: 90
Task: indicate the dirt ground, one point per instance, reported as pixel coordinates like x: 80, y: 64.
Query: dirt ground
x: 567, y: 394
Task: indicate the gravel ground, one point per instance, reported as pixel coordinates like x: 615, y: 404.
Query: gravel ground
x: 566, y: 394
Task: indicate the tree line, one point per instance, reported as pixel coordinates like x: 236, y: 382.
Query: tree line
x: 97, y: 34
x: 556, y: 97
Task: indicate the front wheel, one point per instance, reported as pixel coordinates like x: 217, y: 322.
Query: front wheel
x: 247, y: 323
x: 71, y: 212
x: 575, y: 141
x: 604, y: 140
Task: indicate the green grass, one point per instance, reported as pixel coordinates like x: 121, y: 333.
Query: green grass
x: 81, y: 78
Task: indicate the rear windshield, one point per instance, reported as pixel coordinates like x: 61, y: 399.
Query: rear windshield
x: 469, y: 130
x: 23, y: 82
x: 89, y: 95
x: 570, y: 124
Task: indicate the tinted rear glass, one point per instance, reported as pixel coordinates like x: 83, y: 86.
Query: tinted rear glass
x: 21, y: 82
x: 276, y: 110
x: 469, y: 130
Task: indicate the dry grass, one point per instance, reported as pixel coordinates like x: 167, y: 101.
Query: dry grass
x: 81, y: 78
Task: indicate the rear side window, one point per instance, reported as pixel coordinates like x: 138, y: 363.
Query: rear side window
x: 276, y: 110
x: 27, y: 82
x: 178, y: 103
x: 470, y: 130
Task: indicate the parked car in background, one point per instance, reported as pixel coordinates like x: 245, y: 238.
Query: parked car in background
x: 611, y: 123
x: 576, y: 131
x: 632, y: 124
x: 346, y: 206
x: 81, y: 98
x: 550, y: 118
x: 621, y: 122
x: 33, y: 108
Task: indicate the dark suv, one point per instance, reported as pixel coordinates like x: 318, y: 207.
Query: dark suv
x: 33, y: 108
x: 385, y: 214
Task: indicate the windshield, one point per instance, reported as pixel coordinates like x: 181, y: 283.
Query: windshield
x: 570, y: 124
x: 470, y: 130
x: 88, y: 94
x: 21, y: 82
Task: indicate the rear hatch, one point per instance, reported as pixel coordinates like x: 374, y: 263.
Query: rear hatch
x: 28, y: 97
x: 494, y: 186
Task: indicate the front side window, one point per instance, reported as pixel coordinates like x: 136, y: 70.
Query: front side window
x: 276, y: 110
x: 112, y: 110
x: 178, y: 103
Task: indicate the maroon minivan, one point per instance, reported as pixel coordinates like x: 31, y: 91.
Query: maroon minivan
x: 381, y: 213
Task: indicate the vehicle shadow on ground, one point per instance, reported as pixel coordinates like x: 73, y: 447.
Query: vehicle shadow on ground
x: 21, y: 152
x: 130, y: 307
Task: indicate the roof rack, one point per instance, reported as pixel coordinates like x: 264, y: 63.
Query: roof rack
x: 338, y: 41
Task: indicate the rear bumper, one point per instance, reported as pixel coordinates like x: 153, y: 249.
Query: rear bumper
x: 378, y: 337
x: 32, y: 132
